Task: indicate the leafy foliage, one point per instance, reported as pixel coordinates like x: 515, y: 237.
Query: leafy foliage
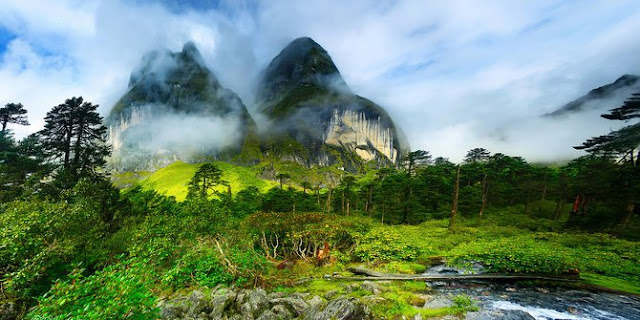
x: 119, y: 291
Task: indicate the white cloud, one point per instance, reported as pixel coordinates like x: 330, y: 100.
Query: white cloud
x: 454, y: 75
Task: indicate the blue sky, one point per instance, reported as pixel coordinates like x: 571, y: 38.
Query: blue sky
x: 454, y: 75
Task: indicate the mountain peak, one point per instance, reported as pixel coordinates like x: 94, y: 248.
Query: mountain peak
x: 315, y: 119
x: 158, y: 63
x: 189, y: 50
x: 302, y: 62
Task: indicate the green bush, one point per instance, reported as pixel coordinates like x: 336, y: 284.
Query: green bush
x: 299, y: 235
x: 386, y: 244
x: 521, y: 254
x: 200, y: 267
x: 39, y: 240
x: 116, y: 292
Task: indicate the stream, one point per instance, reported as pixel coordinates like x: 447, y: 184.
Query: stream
x: 512, y: 301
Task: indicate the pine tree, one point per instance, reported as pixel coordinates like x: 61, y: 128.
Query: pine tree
x: 624, y: 142
x: 74, y: 139
x: 13, y: 113
x: 205, y: 180
x: 477, y: 155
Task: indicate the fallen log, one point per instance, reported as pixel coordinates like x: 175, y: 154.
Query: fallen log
x: 374, y: 275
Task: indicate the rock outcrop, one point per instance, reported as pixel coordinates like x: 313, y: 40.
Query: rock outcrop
x: 314, y: 117
x: 176, y: 109
x: 249, y: 304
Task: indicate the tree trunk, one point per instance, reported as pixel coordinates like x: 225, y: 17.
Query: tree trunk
x: 527, y: 206
x: 67, y: 148
x: 556, y: 212
x: 78, y: 144
x: 629, y: 209
x: 485, y: 191
x: 370, y: 202
x: 584, y: 206
x: 343, y: 210
x: 454, y: 207
x: 329, y: 201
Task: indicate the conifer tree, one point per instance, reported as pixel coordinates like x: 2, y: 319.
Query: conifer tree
x: 74, y: 139
x: 205, y: 180
x: 13, y: 113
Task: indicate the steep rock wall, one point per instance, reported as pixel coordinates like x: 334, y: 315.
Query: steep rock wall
x: 368, y: 138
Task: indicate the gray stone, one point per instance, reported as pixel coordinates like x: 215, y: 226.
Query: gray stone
x: 174, y: 309
x: 339, y: 309
x: 498, y: 315
x: 268, y: 315
x: 315, y: 301
x: 8, y: 311
x: 220, y: 304
x: 330, y: 294
x: 297, y: 305
x: 371, y: 287
x: 256, y: 302
x: 439, y: 301
x: 197, y: 304
x: 240, y: 297
x: 274, y: 295
x: 282, y: 311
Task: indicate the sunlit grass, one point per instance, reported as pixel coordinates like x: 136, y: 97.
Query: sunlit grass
x: 173, y: 179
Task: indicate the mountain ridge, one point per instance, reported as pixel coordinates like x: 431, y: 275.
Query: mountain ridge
x: 176, y: 109
x: 597, y: 98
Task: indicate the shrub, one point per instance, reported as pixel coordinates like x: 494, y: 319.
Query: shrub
x: 386, y: 244
x: 117, y: 292
x: 516, y: 254
x: 300, y: 235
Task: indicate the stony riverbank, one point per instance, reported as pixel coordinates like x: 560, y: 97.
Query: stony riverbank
x: 360, y: 300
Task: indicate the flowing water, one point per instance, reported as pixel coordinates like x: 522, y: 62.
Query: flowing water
x: 511, y: 301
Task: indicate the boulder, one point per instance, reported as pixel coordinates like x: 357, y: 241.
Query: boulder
x: 220, y: 304
x: 339, y: 309
x: 255, y: 303
x: 295, y: 304
x: 8, y: 311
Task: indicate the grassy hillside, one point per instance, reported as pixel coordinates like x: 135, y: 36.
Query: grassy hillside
x: 172, y: 180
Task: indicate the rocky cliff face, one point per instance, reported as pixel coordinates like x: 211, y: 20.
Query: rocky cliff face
x: 602, y: 98
x: 175, y: 109
x: 314, y: 117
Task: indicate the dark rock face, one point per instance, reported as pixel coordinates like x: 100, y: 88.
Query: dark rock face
x: 602, y: 98
x: 176, y: 109
x: 316, y: 119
